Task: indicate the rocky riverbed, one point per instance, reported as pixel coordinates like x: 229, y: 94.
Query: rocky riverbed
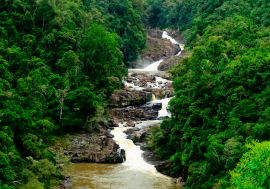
x: 125, y: 140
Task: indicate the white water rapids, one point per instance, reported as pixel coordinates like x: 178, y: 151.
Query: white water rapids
x: 134, y: 158
x: 134, y: 173
x: 154, y: 66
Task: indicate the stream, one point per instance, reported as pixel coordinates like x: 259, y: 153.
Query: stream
x: 134, y: 173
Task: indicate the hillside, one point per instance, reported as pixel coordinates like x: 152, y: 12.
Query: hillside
x: 59, y: 63
x: 222, y: 91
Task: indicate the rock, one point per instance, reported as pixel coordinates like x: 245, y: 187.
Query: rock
x: 157, y: 106
x: 157, y: 49
x: 101, y: 149
x: 155, y: 33
x: 139, y: 113
x: 108, y: 134
x: 77, y: 160
x: 169, y: 84
x: 126, y: 98
x: 165, y: 167
x: 113, y: 123
x: 179, y: 180
x: 151, y: 158
x: 67, y: 182
x: 131, y: 123
x: 176, y: 34
x: 169, y: 63
x: 160, y: 82
x: 134, y: 74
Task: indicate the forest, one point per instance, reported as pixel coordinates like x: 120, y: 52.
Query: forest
x: 60, y: 60
x: 220, y: 126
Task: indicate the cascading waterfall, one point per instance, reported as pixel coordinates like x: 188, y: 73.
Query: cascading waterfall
x: 134, y: 173
x: 154, y: 66
x: 153, y: 97
x: 134, y: 159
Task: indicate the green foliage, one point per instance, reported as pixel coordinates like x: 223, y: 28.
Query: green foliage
x: 109, y: 159
x: 222, y: 90
x: 253, y: 169
x: 5, y: 186
x: 59, y: 63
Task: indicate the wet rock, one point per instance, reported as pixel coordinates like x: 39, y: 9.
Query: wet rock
x: 160, y: 82
x: 150, y: 157
x: 113, y: 123
x: 157, y: 106
x: 131, y: 124
x: 165, y: 167
x: 77, y: 160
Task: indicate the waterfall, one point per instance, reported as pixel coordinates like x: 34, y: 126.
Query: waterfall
x: 153, y: 97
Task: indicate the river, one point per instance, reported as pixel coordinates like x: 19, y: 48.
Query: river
x: 134, y: 173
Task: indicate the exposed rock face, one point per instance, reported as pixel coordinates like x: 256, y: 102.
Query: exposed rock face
x: 158, y: 49
x: 154, y: 33
x: 177, y: 36
x: 169, y: 63
x: 92, y: 147
x: 136, y: 114
x: 127, y: 98
x: 165, y: 167
x: 103, y: 150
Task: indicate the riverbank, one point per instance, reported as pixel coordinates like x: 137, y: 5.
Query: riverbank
x: 124, y: 141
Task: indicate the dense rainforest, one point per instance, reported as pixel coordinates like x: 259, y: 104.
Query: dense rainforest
x: 220, y: 124
x: 59, y: 62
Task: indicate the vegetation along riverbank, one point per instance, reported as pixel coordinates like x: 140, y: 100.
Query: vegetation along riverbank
x: 64, y: 80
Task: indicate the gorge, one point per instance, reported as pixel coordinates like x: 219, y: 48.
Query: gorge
x: 135, y: 172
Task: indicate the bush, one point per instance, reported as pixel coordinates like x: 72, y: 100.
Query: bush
x: 253, y: 170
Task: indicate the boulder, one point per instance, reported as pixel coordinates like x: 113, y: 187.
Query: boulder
x: 131, y: 124
x: 157, y: 106
x: 113, y: 123
x: 169, y: 62
x: 179, y: 180
x: 123, y: 98
x: 155, y: 33
x: 157, y: 49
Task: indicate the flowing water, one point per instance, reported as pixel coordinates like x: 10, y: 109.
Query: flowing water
x: 134, y: 173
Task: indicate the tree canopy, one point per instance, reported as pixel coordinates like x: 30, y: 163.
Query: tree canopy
x: 222, y: 90
x: 59, y: 63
